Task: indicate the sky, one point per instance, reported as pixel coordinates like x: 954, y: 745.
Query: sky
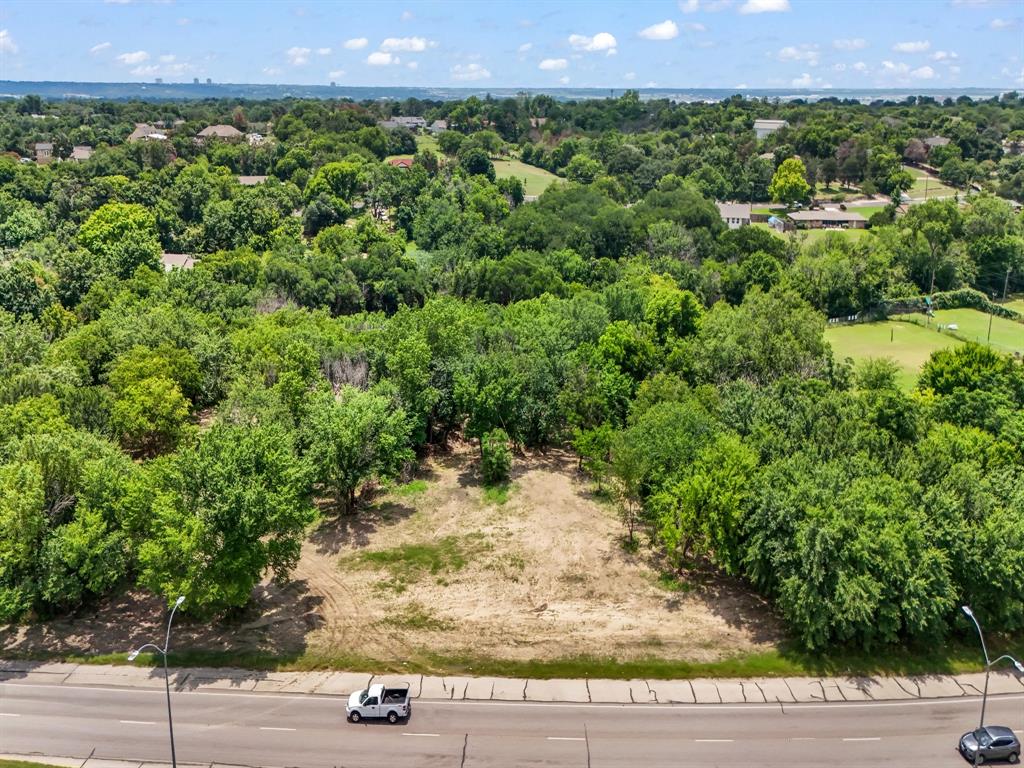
x: 812, y: 44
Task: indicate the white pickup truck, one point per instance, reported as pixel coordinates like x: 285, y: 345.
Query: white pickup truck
x: 378, y: 701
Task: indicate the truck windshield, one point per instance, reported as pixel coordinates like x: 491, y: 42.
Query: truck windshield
x: 362, y: 696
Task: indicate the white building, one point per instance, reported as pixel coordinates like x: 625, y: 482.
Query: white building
x: 765, y: 128
x: 735, y: 215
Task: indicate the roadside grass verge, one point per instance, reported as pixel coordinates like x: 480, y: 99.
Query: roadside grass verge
x: 22, y: 764
x: 954, y: 657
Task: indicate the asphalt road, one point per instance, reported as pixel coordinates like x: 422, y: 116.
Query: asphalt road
x: 258, y: 729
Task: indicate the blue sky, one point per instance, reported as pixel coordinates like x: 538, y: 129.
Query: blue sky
x: 671, y: 43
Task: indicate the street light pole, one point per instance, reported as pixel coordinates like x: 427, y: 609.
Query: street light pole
x: 988, y: 668
x: 167, y: 681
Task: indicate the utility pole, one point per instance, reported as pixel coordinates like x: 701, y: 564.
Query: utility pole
x: 1006, y: 282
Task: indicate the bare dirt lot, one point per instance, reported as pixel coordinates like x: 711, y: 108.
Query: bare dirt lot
x: 440, y: 568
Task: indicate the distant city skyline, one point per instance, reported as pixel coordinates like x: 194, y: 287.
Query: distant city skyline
x: 690, y: 43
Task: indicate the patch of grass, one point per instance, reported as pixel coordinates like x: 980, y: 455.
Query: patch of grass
x: 408, y: 563
x: 953, y: 657
x: 21, y: 764
x: 1017, y: 305
x: 907, y: 344
x: 496, y: 494
x: 415, y: 616
x: 412, y: 488
x: 926, y: 185
x: 813, y: 235
x: 535, y: 180
x: 427, y: 141
x: 973, y: 325
x: 670, y: 582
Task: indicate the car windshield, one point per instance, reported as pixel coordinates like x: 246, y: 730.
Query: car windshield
x: 983, y: 737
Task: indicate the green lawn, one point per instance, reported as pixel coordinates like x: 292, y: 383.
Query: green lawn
x: 535, y: 180
x: 867, y: 211
x: 973, y: 325
x: 1015, y: 304
x: 926, y: 182
x: 427, y: 141
x: 908, y: 344
x: 814, y: 235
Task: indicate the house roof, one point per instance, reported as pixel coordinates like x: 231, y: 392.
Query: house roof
x: 220, y: 131
x: 44, y: 145
x: 936, y: 141
x: 176, y: 261
x: 826, y: 215
x: 734, y: 210
x: 81, y: 152
x: 401, y: 162
x: 439, y: 125
x: 144, y: 131
x: 770, y: 123
x: 251, y: 181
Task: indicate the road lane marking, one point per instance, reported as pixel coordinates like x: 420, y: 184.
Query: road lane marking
x: 801, y: 738
x: 137, y: 722
x: 8, y: 714
x: 272, y: 728
x: 566, y: 738
x: 863, y: 738
x: 714, y: 741
x: 421, y: 734
x: 836, y: 705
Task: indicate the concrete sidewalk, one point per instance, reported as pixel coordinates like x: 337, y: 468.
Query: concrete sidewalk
x: 787, y: 690
x: 95, y: 762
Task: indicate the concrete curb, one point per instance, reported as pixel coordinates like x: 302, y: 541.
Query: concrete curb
x: 783, y: 690
x: 96, y: 762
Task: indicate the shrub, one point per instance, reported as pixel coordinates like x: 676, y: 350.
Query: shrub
x: 496, y: 456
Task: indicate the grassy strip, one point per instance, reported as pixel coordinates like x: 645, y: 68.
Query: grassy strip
x: 951, y: 658
x: 22, y: 763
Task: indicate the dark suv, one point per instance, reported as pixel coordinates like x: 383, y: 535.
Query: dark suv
x: 993, y: 742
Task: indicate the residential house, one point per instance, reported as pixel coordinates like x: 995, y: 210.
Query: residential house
x: 254, y: 139
x: 80, y: 152
x: 438, y: 126
x: 1014, y: 146
x: 412, y: 123
x: 176, y: 261
x: 936, y: 141
x: 146, y: 132
x: 401, y: 162
x: 225, y: 132
x: 765, y: 128
x: 735, y: 215
x: 251, y: 181
x: 44, y: 152
x: 830, y: 218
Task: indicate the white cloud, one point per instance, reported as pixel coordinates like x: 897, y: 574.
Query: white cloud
x: 689, y: 6
x: 666, y: 30
x: 923, y: 73
x: 272, y: 71
x: 167, y: 58
x: 860, y: 66
x: 335, y: 74
x: 602, y: 41
x: 741, y: 85
x: 410, y: 44
x: 135, y: 57
x: 629, y: 76
x: 297, y: 56
x: 806, y: 52
x: 894, y: 68
x: 323, y: 51
x: 553, y: 64
x: 944, y: 55
x: 764, y: 6
x: 850, y: 44
x: 407, y: 16
x: 356, y: 43
x: 693, y: 26
x: 97, y: 48
x: 381, y: 59
x: 412, y: 64
x: 1000, y: 23
x: 806, y: 81
x: 912, y: 46
x: 469, y: 72
x: 840, y: 67
x: 525, y: 47
x: 564, y: 79
x: 184, y: 21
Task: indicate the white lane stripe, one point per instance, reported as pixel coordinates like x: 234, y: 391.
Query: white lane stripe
x: 272, y: 728
x: 8, y: 714
x: 713, y: 741
x: 864, y: 738
x: 801, y: 738
x: 421, y: 734
x: 566, y: 738
x: 137, y: 722
x: 966, y: 700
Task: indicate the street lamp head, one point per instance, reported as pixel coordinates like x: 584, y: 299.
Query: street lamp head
x: 967, y: 611
x: 1019, y: 667
x: 133, y: 655
x: 179, y: 601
